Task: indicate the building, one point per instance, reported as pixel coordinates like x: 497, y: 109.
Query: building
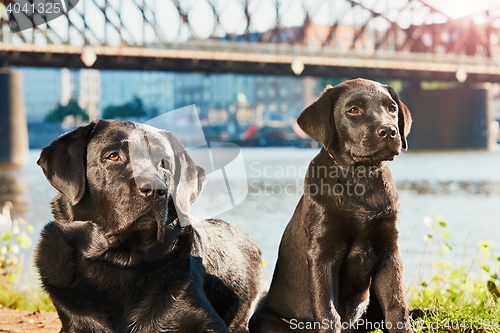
x: 43, y: 91
x: 282, y: 98
x: 195, y: 89
x: 89, y: 92
x: 341, y: 38
x: 155, y: 89
x: 46, y: 88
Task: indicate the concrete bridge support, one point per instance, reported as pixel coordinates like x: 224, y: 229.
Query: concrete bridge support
x: 13, y: 125
x: 450, y: 118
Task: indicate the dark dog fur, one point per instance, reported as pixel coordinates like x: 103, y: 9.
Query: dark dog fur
x: 339, y: 265
x: 118, y: 258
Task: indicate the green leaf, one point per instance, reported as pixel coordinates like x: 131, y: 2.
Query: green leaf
x: 7, y: 236
x: 24, y: 240
x: 485, y: 244
x: 443, y: 224
x: 493, y: 289
x: 428, y: 238
x: 444, y: 249
x: 29, y: 229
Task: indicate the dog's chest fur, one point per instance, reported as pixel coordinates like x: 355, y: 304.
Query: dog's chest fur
x: 364, y: 223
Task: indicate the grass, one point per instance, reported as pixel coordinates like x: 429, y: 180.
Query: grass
x: 455, y: 316
x: 33, y: 299
x: 457, y: 298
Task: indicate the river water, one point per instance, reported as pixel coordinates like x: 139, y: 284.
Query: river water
x: 462, y: 186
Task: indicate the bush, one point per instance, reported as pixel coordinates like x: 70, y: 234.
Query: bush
x: 13, y: 238
x: 61, y: 112
x: 134, y: 108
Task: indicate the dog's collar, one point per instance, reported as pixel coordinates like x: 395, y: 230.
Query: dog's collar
x: 352, y: 169
x: 331, y: 156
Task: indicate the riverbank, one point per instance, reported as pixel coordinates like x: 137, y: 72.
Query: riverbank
x: 17, y: 321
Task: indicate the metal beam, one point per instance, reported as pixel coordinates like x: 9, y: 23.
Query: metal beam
x: 256, y: 59
x: 424, y: 31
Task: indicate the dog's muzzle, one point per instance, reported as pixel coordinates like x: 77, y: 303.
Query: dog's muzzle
x: 151, y: 187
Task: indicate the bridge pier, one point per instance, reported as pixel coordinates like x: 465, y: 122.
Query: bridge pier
x: 13, y: 125
x: 450, y: 118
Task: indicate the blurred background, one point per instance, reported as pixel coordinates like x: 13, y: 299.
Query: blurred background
x: 250, y: 67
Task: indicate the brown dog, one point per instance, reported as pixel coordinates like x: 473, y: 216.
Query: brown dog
x: 118, y: 257
x: 339, y: 267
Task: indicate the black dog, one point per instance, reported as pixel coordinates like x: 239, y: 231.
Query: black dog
x: 339, y: 268
x: 120, y: 256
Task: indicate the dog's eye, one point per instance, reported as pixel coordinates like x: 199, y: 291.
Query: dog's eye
x: 114, y: 157
x: 354, y: 110
x: 393, y: 108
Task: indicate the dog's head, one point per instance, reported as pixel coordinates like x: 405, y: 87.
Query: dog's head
x: 129, y: 181
x: 358, y: 121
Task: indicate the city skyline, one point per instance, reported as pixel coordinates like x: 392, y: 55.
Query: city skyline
x: 280, y: 97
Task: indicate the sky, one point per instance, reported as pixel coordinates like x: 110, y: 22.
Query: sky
x: 460, y: 8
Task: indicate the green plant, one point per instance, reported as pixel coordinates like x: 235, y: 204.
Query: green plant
x: 61, y: 112
x: 457, y: 298
x: 12, y: 241
x: 14, y: 236
x: 490, y: 264
x: 134, y: 108
x: 477, y: 283
x: 31, y: 298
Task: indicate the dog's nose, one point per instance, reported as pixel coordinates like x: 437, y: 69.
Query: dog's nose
x: 387, y: 131
x: 150, y: 187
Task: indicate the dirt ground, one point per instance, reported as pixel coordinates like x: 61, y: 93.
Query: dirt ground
x: 14, y: 321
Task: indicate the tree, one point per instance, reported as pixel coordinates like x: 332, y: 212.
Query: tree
x: 135, y: 108
x: 61, y: 112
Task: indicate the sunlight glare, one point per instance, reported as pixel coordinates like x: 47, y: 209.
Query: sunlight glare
x: 459, y: 8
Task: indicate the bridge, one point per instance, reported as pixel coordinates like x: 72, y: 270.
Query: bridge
x: 404, y: 39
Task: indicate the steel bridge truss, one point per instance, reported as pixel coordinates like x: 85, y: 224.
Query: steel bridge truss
x: 362, y: 26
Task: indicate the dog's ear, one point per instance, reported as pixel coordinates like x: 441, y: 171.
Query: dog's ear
x: 404, y: 117
x: 317, y: 119
x: 189, y: 180
x: 64, y: 163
